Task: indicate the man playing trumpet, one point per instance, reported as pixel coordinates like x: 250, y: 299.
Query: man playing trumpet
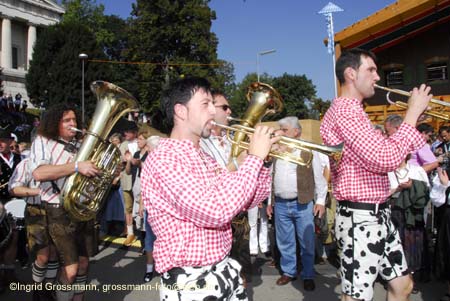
x: 191, y: 199
x: 370, y: 245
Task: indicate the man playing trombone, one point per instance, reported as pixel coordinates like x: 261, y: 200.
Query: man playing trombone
x: 370, y: 245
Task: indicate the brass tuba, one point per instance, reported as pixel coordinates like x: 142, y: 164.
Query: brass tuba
x: 84, y: 196
x: 263, y: 100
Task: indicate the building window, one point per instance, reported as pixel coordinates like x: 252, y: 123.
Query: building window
x: 394, y: 78
x: 437, y: 71
x: 15, y: 57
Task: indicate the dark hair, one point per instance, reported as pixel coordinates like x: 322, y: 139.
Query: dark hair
x: 181, y: 92
x: 49, y: 127
x: 351, y: 58
x: 425, y: 128
x: 216, y: 93
x: 444, y: 128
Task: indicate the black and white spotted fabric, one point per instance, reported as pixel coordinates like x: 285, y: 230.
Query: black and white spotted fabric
x: 221, y: 281
x: 369, y: 245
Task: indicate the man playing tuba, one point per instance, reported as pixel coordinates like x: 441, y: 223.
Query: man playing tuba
x: 51, y: 158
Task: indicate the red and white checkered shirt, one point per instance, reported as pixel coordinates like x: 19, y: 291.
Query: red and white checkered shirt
x: 191, y: 200
x: 361, y: 175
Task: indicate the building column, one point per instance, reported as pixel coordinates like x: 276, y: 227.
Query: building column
x: 31, y: 42
x: 6, y: 44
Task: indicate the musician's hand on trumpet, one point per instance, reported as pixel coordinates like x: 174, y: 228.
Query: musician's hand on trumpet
x: 278, y: 147
x: 261, y: 141
x: 418, y: 103
x: 420, y: 92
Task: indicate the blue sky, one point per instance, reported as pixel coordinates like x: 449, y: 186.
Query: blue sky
x: 292, y: 27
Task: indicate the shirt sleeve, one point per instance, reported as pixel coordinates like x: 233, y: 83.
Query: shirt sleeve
x: 372, y: 151
x: 211, y: 204
x: 425, y: 155
x: 437, y: 193
x: 263, y: 187
x: 19, y: 177
x: 40, y: 154
x: 321, y: 185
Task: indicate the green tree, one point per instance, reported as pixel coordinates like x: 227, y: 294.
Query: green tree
x: 111, y: 33
x: 297, y: 91
x: 90, y: 14
x: 319, y: 107
x: 176, y: 36
x: 224, y: 78
x: 117, y: 51
x: 55, y: 69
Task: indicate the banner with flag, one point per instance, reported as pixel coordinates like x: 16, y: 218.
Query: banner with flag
x: 328, y: 11
x: 330, y: 31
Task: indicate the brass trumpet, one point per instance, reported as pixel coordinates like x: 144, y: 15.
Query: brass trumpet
x: 404, y: 105
x: 334, y: 152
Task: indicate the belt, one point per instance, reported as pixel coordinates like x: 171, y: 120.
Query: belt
x: 51, y: 205
x: 283, y: 200
x: 184, y: 270
x: 364, y: 206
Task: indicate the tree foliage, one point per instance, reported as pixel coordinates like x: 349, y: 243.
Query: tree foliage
x: 297, y: 91
x: 117, y: 51
x: 89, y: 13
x: 55, y: 70
x: 319, y: 108
x: 111, y: 33
x: 172, y: 39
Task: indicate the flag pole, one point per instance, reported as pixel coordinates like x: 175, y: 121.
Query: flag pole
x: 328, y: 11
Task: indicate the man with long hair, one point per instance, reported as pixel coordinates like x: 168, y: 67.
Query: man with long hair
x: 52, y: 155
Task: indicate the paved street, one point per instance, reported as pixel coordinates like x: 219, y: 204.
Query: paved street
x: 114, y: 267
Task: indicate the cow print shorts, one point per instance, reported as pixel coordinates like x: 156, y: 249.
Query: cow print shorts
x: 370, y: 246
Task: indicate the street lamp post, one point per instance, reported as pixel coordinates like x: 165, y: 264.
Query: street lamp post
x: 83, y: 57
x: 257, y: 59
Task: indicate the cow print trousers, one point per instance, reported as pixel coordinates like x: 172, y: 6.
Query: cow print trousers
x: 221, y: 281
x: 369, y: 246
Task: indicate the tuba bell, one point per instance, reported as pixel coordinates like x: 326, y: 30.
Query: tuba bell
x: 84, y: 196
x: 263, y: 100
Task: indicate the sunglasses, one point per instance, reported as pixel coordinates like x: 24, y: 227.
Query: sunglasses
x: 224, y: 107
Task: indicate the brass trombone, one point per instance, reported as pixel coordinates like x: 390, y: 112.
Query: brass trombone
x: 334, y: 152
x: 404, y: 105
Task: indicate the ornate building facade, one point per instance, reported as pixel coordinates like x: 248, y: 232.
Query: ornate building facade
x: 20, y: 22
